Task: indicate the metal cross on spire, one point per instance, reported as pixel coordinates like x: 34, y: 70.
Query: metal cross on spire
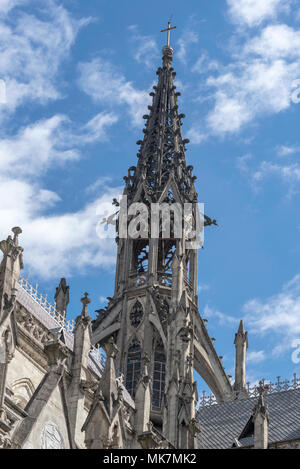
x: 169, y: 28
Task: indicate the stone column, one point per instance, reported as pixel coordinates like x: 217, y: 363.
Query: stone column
x: 241, y: 345
x: 10, y: 267
x: 261, y: 420
x: 143, y: 399
x: 82, y: 347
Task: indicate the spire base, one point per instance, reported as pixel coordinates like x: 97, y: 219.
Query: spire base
x: 167, y: 53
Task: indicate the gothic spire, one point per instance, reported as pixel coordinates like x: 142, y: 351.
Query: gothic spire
x: 162, y: 150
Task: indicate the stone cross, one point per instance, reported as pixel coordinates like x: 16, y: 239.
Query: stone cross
x: 16, y: 231
x: 262, y: 389
x: 85, y: 301
x: 168, y: 29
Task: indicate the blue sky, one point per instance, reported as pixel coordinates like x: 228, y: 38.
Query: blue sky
x: 77, y: 77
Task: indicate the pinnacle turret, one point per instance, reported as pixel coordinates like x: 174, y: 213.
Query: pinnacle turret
x: 241, y: 345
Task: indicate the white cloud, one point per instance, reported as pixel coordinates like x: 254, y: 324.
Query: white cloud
x: 102, y: 300
x: 203, y: 287
x: 34, y: 148
x: 189, y: 37
x: 242, y: 163
x: 254, y: 12
x: 260, y: 80
x: 32, y: 48
x: 100, y: 182
x: 278, y: 314
x: 251, y: 89
x: 95, y: 129
x: 39, y: 145
x: 55, y: 244
x: 196, y: 135
x: 7, y: 5
x: 221, y: 317
x: 204, y: 64
x: 286, y: 150
x: 288, y: 174
x: 146, y: 50
x: 105, y: 83
x: 256, y: 357
x: 69, y: 242
x: 275, y: 42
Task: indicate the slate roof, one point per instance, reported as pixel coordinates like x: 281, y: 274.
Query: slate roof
x: 222, y: 423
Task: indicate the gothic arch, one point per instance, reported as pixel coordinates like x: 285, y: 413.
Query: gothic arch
x: 159, y: 373
x: 155, y: 320
x: 23, y: 390
x: 133, y: 365
x: 171, y: 185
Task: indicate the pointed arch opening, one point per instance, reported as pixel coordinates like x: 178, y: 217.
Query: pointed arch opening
x: 166, y: 251
x: 23, y: 390
x: 134, y: 358
x: 139, y: 262
x: 159, y: 376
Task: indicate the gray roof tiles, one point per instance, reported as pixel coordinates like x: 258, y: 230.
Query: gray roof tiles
x: 222, y: 423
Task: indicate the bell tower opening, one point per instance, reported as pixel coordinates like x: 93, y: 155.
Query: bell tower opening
x: 140, y: 256
x: 166, y: 250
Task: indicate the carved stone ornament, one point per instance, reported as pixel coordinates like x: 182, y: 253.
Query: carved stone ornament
x: 136, y: 314
x: 51, y: 437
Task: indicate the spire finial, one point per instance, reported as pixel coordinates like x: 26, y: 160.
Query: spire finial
x: 111, y: 348
x: 241, y: 327
x: 262, y: 390
x: 16, y: 231
x: 85, y: 301
x: 168, y: 29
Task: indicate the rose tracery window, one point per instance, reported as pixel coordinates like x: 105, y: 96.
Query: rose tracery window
x: 136, y: 314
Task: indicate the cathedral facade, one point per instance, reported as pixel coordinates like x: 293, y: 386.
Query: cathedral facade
x: 59, y: 390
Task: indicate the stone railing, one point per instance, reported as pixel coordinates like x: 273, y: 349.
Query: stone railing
x: 68, y: 326
x: 207, y: 400
x: 42, y: 300
x: 98, y: 354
